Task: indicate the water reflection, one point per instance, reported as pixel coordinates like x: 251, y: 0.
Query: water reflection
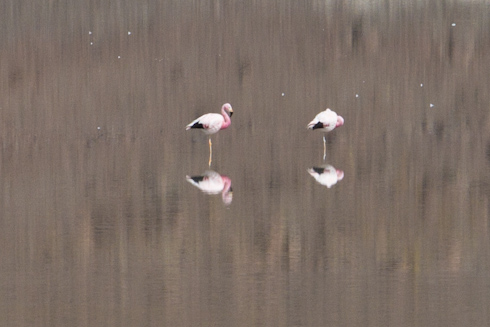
x: 326, y: 175
x: 210, y: 182
x: 98, y: 227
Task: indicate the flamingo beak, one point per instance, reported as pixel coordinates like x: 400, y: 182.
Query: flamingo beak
x: 231, y: 112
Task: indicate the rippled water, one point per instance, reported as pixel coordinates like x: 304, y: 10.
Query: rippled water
x: 102, y: 223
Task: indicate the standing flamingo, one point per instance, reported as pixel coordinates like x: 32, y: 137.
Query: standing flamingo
x: 213, y: 123
x: 213, y: 183
x: 326, y: 121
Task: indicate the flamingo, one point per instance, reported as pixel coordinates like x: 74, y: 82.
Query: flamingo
x: 326, y: 175
x: 326, y: 121
x: 213, y: 183
x: 212, y: 123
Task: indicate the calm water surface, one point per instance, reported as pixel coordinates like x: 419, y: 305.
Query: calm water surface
x: 99, y: 225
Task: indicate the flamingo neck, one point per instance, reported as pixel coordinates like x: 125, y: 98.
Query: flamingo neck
x: 227, y: 183
x: 226, y: 117
x: 226, y: 194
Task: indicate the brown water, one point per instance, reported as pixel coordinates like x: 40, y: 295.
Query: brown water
x: 99, y: 226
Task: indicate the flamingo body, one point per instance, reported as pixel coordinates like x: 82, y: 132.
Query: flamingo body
x: 212, y: 123
x: 327, y: 175
x: 213, y: 183
x: 326, y: 121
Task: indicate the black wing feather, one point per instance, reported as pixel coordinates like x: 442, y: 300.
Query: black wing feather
x: 318, y: 125
x: 197, y: 125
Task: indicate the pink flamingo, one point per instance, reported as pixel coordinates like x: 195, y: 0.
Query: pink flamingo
x: 213, y: 183
x: 212, y: 123
x: 326, y: 121
x: 326, y: 175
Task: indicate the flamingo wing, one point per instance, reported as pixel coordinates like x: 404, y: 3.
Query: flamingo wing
x: 209, y: 123
x: 325, y: 120
x: 210, y: 182
x: 328, y: 175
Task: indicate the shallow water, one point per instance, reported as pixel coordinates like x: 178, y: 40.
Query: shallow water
x: 99, y: 226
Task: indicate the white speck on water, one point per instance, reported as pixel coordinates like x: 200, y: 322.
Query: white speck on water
x: 118, y: 57
x: 282, y: 94
x: 364, y: 81
x: 357, y: 95
x: 89, y: 32
x: 453, y: 24
x: 98, y: 127
x: 421, y: 85
x: 91, y: 43
x: 431, y: 105
x: 129, y: 33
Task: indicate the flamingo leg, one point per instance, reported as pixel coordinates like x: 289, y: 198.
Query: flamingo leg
x: 210, y: 152
x: 324, y: 148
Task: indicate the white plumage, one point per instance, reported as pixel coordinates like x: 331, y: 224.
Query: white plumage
x: 326, y: 175
x: 213, y: 183
x: 212, y: 123
x: 326, y: 121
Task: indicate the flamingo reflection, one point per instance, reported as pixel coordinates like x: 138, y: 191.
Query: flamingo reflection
x: 213, y: 183
x: 326, y: 175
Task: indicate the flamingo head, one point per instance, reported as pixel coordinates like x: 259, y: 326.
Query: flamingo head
x: 228, y: 109
x: 227, y: 198
x: 340, y: 174
x: 340, y: 121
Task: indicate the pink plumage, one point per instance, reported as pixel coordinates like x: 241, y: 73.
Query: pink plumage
x: 213, y: 183
x: 326, y: 121
x: 212, y: 123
